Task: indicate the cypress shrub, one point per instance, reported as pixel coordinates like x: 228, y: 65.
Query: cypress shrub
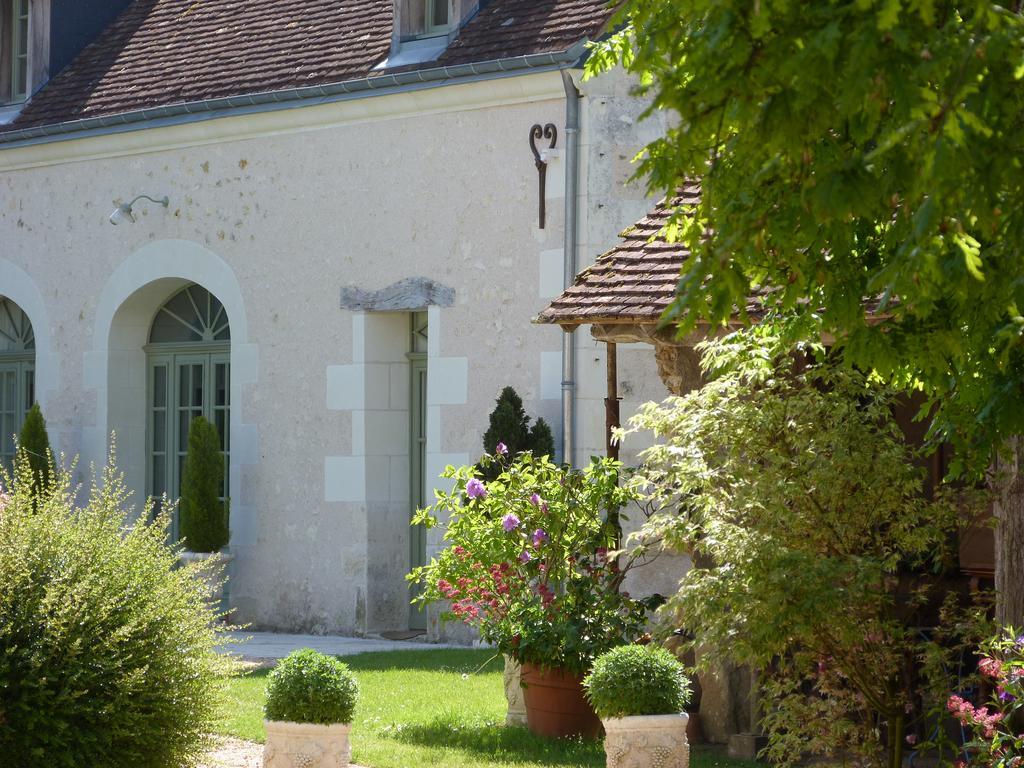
x: 510, y: 425
x: 203, y: 514
x: 34, y: 443
x: 107, y: 648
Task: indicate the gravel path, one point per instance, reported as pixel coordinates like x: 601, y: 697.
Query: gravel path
x: 234, y: 753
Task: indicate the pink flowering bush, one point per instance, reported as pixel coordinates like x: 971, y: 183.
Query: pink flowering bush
x: 998, y: 727
x: 528, y: 559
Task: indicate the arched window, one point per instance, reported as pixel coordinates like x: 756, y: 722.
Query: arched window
x: 17, y: 375
x: 189, y: 364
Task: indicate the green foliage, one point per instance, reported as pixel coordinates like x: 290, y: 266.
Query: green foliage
x: 309, y: 687
x: 796, y: 482
x: 528, y: 562
x: 204, y: 515
x: 510, y: 426
x: 107, y: 648
x: 850, y: 150
x: 35, y: 444
x: 637, y: 680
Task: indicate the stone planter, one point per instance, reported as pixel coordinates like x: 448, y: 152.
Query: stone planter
x: 514, y: 693
x: 650, y: 741
x: 213, y: 570
x: 306, y: 745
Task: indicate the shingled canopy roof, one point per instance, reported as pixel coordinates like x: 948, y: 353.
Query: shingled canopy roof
x: 633, y: 283
x: 164, y: 52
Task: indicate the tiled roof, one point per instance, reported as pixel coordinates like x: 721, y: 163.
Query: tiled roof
x: 632, y: 283
x: 507, y: 28
x: 162, y: 52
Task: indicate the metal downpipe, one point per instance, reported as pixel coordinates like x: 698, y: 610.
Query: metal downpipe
x: 572, y: 151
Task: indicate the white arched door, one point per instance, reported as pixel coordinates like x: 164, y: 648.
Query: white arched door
x: 17, y: 375
x: 189, y: 375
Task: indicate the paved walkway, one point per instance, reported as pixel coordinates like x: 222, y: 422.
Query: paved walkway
x: 262, y: 646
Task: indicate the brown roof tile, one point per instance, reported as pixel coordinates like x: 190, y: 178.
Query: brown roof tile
x: 162, y: 52
x: 632, y: 283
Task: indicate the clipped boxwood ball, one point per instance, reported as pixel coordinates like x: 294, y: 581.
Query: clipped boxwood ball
x: 637, y: 680
x: 309, y: 687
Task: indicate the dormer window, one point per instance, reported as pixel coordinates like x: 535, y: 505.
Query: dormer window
x: 425, y: 18
x: 14, y: 75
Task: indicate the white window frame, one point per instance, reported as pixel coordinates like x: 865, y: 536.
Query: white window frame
x: 15, y: 57
x: 429, y: 7
x: 20, y: 16
x: 431, y: 30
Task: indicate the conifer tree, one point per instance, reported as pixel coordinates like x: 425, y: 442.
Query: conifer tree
x: 34, y: 445
x: 510, y: 425
x: 203, y: 514
x: 542, y: 442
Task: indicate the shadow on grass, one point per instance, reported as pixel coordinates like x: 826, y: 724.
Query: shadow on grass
x: 498, y: 744
x: 453, y: 660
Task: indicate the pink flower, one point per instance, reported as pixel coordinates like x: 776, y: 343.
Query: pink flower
x: 911, y: 739
x: 990, y: 668
x: 476, y: 489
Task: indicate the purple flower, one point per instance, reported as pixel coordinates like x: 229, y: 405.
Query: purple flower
x: 475, y: 489
x: 535, y: 499
x: 539, y: 537
x: 525, y: 557
x: 509, y: 522
x: 501, y: 449
x: 1005, y: 695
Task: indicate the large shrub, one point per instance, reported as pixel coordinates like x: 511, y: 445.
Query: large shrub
x: 106, y: 647
x: 637, y: 680
x: 528, y: 563
x: 34, y: 442
x: 309, y: 687
x: 792, y: 477
x: 203, y: 513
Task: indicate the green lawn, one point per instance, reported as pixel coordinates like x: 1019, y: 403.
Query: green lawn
x: 443, y: 708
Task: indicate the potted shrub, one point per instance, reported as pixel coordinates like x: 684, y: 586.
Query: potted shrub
x: 310, y: 701
x: 202, y: 511
x: 640, y: 693
x: 528, y: 566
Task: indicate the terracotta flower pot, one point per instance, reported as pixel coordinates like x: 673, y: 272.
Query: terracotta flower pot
x: 555, y: 705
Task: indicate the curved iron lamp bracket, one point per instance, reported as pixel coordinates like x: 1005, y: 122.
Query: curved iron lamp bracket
x: 548, y: 131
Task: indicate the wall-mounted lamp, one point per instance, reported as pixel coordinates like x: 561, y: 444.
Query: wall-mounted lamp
x: 124, y: 210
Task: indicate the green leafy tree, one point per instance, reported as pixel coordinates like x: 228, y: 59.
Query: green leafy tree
x: 203, y: 513
x: 510, y: 426
x: 34, y: 443
x: 866, y: 149
x: 801, y: 491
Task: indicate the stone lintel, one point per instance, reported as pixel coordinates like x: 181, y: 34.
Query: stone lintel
x: 408, y: 295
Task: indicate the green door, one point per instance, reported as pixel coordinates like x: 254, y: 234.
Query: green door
x: 418, y: 455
